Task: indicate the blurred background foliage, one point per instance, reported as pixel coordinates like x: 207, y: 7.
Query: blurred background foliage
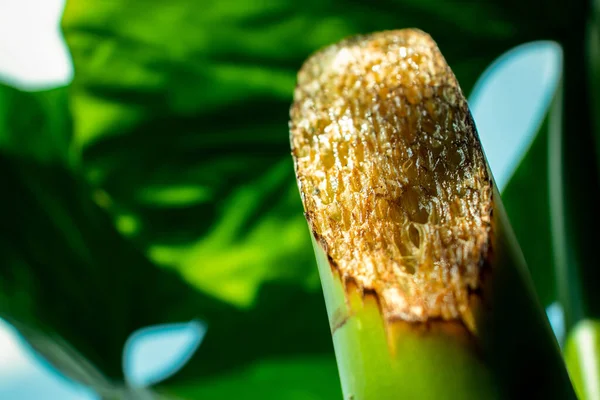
x: 158, y: 186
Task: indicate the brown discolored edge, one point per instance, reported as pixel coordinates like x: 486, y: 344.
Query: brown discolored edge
x: 392, y: 176
x: 339, y: 319
x: 395, y: 328
x: 455, y: 327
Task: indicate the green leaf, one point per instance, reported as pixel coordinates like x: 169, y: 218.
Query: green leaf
x: 582, y: 355
x: 527, y: 202
x: 575, y: 181
x: 35, y: 125
x: 301, y: 378
x: 59, y: 248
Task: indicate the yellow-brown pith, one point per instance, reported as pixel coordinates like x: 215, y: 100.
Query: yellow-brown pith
x: 392, y: 175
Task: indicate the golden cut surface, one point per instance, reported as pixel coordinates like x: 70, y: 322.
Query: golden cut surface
x: 392, y: 175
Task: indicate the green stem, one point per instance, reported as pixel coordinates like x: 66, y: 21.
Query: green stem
x: 380, y: 360
x: 513, y: 355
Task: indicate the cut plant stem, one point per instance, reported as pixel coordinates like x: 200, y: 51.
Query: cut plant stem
x: 426, y: 289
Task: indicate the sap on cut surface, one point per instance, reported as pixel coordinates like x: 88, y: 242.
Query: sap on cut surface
x: 391, y: 173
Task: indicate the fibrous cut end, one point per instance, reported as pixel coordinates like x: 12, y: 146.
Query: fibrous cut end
x: 391, y: 173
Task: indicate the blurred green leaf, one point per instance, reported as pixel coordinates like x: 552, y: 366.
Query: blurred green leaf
x: 299, y: 378
x: 582, y: 355
x: 530, y: 215
x: 66, y: 269
x: 35, y: 125
x: 574, y: 179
